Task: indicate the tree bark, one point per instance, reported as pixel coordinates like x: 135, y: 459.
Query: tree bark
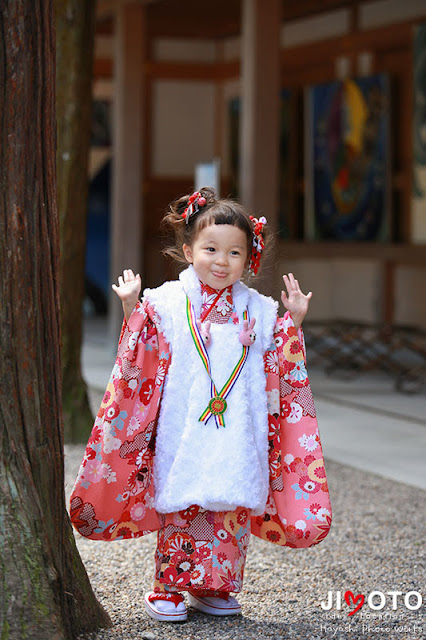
x: 75, y: 26
x: 44, y: 590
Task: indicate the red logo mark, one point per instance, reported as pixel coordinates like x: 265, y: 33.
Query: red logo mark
x: 351, y: 598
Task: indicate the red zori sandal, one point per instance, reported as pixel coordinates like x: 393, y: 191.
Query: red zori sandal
x: 166, y: 607
x: 215, y: 605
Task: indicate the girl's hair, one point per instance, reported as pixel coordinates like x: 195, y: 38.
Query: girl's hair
x: 215, y: 211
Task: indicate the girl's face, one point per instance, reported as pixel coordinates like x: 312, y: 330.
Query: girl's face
x: 218, y: 254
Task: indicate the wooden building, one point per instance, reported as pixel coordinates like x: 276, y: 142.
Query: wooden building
x: 174, y: 69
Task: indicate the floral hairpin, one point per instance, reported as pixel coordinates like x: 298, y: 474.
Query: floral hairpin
x: 258, y: 244
x: 194, y: 203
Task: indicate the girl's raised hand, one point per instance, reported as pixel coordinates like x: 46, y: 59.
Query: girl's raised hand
x: 128, y: 289
x: 295, y: 301
x: 129, y: 286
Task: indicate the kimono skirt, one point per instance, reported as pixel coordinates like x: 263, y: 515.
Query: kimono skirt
x: 202, y: 551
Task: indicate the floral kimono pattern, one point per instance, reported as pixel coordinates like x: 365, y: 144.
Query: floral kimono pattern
x: 202, y: 550
x: 113, y: 496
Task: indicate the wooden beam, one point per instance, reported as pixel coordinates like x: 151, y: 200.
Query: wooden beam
x: 109, y: 8
x: 219, y: 110
x: 147, y: 124
x: 106, y: 9
x: 105, y: 27
x: 103, y: 68
x: 194, y: 19
x: 127, y: 209
x: 406, y: 139
x: 259, y: 128
x: 354, y: 18
x: 309, y: 74
x: 388, y: 297
x: 299, y: 9
x: 395, y: 61
x: 192, y: 70
x: 185, y: 29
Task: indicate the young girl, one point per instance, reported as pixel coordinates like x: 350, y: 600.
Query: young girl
x: 207, y: 429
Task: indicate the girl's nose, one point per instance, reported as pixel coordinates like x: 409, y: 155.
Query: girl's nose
x: 221, y: 258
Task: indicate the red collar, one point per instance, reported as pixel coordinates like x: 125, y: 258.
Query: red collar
x: 217, y: 293
x: 205, y: 288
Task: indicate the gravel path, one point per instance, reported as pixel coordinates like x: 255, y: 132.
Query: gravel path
x: 376, y: 544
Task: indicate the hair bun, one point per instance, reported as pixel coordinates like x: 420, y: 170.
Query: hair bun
x: 209, y: 194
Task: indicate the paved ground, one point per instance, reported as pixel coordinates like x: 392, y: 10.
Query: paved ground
x: 366, y: 424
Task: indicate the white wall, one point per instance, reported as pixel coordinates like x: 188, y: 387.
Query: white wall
x: 320, y: 27
x: 353, y: 290
x: 183, y: 126
x: 342, y: 289
x: 231, y: 89
x: 380, y: 12
x: 410, y: 296
x: 232, y: 48
x: 185, y: 50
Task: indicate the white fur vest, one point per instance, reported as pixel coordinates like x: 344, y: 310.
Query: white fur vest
x: 196, y: 463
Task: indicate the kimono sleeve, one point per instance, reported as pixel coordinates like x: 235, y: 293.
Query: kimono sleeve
x: 113, y: 494
x: 298, y: 512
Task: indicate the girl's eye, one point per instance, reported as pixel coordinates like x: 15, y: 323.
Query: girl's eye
x: 235, y: 253
x: 210, y: 249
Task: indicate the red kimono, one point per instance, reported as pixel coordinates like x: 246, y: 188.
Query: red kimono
x: 113, y: 497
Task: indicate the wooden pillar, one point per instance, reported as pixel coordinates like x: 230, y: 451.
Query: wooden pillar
x: 127, y: 214
x: 259, y: 131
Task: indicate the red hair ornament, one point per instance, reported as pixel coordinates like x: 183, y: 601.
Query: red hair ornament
x: 195, y: 202
x: 258, y: 244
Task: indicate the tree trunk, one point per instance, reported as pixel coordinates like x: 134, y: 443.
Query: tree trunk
x: 44, y: 590
x: 75, y: 26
